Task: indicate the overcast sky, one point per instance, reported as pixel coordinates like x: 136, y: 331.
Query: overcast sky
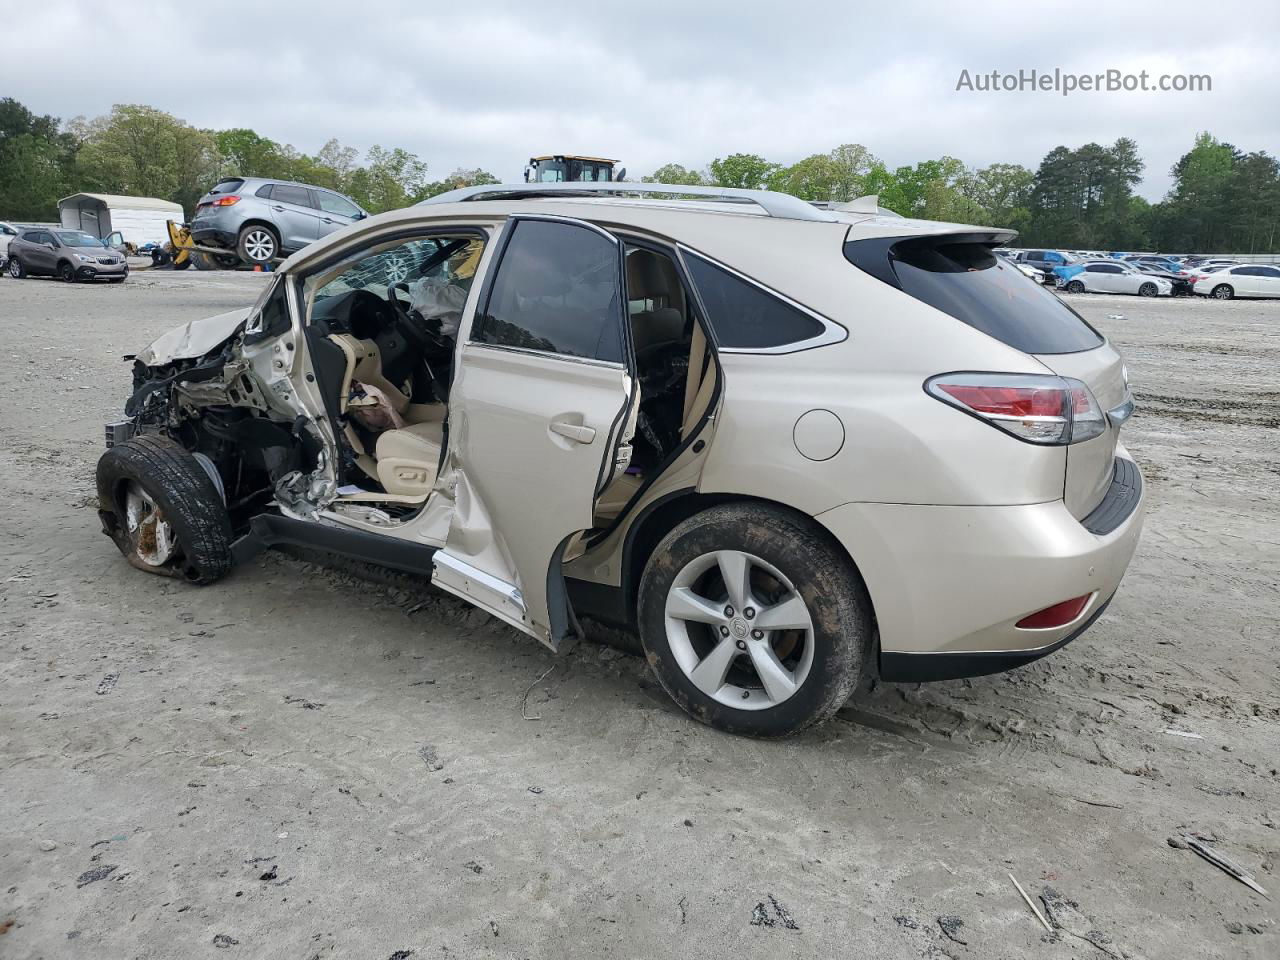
x: 489, y: 84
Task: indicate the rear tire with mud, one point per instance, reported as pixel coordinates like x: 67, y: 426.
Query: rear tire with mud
x: 163, y: 510
x: 754, y: 621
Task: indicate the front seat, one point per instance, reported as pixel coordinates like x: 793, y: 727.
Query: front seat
x: 408, y: 458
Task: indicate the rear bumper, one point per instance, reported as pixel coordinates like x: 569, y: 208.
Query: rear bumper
x: 210, y: 236
x: 927, y: 667
x: 949, y: 583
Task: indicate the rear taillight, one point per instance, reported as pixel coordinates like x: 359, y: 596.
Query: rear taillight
x: 1059, y: 615
x: 224, y: 201
x: 1038, y: 409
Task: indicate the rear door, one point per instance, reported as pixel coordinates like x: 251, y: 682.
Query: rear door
x: 1097, y: 278
x: 296, y: 215
x: 538, y: 410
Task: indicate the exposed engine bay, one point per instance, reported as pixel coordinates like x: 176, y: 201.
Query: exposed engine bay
x: 377, y: 350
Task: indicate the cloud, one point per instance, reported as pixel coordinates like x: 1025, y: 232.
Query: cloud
x: 660, y: 82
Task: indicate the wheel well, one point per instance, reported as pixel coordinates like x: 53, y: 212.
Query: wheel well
x: 259, y: 223
x: 662, y: 516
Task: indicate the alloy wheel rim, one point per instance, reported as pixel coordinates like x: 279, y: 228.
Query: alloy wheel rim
x: 152, y: 535
x: 260, y: 245
x: 14, y: 268
x: 739, y: 630
x: 397, y: 269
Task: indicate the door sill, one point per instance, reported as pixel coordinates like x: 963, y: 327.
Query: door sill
x: 486, y: 591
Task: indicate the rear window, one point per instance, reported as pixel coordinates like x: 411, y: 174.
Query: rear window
x: 967, y: 281
x: 227, y: 186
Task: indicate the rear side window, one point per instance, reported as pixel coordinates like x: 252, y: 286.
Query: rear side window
x: 965, y: 280
x: 744, y: 315
x: 557, y: 290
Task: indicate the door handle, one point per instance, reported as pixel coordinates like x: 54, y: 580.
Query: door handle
x: 328, y: 220
x: 574, y: 431
x: 280, y: 209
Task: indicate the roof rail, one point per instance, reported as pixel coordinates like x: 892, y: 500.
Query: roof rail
x: 781, y: 205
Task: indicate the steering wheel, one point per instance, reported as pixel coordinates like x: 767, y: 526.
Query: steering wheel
x: 416, y: 330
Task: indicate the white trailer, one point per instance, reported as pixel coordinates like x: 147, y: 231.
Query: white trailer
x: 138, y: 220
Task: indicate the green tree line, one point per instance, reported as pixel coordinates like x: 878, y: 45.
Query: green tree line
x: 141, y: 151
x: 1222, y: 198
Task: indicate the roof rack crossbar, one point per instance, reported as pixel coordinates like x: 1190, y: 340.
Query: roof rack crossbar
x: 781, y: 205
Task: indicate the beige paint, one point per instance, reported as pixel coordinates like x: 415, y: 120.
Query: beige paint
x: 958, y: 529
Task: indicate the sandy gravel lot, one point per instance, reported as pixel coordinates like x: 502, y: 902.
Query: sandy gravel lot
x: 299, y: 764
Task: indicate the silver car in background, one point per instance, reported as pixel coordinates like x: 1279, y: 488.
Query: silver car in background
x: 259, y: 221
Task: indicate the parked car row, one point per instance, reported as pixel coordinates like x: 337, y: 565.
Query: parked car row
x: 1148, y: 275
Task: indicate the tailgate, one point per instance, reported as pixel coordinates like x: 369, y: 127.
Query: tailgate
x: 1089, y: 464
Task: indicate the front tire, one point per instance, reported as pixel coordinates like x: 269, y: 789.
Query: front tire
x: 1075, y: 286
x: 66, y: 272
x: 257, y: 245
x: 163, y: 510
x: 1148, y: 290
x: 1223, y: 291
x: 754, y: 621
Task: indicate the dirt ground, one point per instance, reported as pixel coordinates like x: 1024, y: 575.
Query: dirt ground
x: 299, y: 764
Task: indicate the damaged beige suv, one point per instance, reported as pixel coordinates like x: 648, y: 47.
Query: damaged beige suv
x: 791, y: 447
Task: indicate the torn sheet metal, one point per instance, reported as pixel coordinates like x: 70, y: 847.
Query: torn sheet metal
x: 193, y: 339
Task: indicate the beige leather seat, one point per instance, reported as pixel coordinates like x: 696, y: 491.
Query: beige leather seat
x: 407, y: 459
x: 364, y: 363
x: 404, y: 461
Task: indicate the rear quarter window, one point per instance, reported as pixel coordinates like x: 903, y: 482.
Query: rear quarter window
x: 965, y: 280
x: 745, y: 316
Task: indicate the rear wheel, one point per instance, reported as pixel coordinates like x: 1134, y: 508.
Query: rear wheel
x: 16, y: 269
x: 66, y: 272
x: 1223, y: 291
x: 753, y: 620
x: 257, y: 245
x: 164, y: 510
x: 1075, y: 286
x: 1147, y: 290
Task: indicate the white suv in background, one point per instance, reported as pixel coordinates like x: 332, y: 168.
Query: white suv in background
x: 792, y: 447
x: 7, y: 232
